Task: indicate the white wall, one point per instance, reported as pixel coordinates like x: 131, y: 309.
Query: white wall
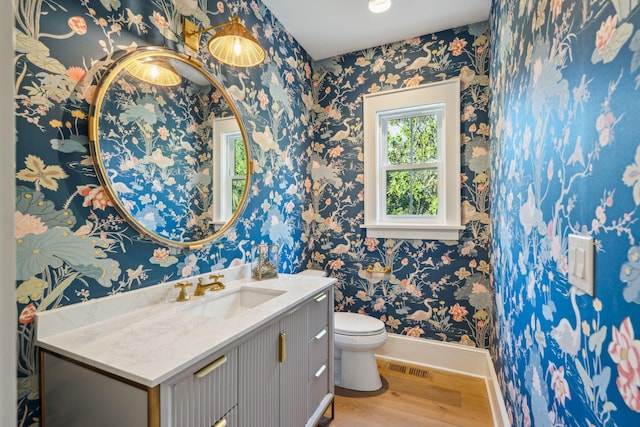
x: 8, y: 312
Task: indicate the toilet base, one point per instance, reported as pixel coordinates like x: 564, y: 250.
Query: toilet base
x: 358, y: 371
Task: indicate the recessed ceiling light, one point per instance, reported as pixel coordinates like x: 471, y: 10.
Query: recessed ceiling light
x: 379, y: 6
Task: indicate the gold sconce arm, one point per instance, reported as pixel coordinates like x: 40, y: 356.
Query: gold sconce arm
x: 191, y: 33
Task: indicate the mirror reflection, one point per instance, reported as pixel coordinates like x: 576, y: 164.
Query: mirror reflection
x: 169, y: 149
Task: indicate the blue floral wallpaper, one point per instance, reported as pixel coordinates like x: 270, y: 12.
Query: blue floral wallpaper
x: 72, y: 246
x: 438, y: 290
x: 565, y: 160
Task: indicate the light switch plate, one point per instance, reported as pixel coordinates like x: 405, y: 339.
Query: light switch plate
x: 580, y: 263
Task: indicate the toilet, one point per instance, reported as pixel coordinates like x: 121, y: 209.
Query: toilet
x: 356, y: 337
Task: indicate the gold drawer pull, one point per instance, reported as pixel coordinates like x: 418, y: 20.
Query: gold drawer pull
x: 321, y: 334
x: 222, y: 422
x: 282, y: 347
x: 320, y: 297
x: 211, y: 367
x: 320, y: 371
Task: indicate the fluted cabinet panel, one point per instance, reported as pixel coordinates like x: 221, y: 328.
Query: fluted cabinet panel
x: 200, y: 402
x: 258, y: 379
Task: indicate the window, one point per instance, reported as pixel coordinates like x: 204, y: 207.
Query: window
x: 230, y: 169
x: 412, y: 162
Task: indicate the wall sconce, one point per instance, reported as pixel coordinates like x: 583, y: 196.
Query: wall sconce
x: 232, y: 45
x: 154, y: 72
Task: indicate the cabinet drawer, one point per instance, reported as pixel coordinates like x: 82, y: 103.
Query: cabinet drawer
x: 319, y: 383
x: 318, y: 313
x: 319, y: 349
x: 202, y: 397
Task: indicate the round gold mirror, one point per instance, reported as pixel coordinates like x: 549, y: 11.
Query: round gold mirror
x: 169, y: 148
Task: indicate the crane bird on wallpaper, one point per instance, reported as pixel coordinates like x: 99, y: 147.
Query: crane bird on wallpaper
x: 422, y: 61
x: 342, y: 248
x: 236, y: 92
x: 263, y: 139
x: 568, y: 338
x: 342, y: 134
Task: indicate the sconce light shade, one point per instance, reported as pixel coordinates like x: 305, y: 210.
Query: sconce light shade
x: 232, y: 45
x: 154, y: 72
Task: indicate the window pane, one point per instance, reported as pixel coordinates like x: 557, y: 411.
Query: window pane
x: 412, y: 192
x: 237, y: 188
x: 239, y: 157
x: 412, y: 139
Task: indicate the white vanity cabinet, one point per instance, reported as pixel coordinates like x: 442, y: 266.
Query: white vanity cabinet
x: 284, y: 368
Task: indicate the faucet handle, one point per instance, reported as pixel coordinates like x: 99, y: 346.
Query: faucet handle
x: 215, y: 277
x: 183, y: 296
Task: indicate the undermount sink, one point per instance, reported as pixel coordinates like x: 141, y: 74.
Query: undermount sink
x: 233, y: 303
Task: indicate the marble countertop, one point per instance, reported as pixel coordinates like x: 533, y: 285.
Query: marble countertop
x: 147, y: 337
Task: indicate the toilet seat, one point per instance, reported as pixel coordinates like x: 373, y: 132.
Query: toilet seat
x: 357, y: 325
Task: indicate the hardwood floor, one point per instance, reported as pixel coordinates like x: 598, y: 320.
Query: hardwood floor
x: 414, y: 396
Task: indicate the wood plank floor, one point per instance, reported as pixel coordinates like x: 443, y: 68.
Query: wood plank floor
x: 414, y: 396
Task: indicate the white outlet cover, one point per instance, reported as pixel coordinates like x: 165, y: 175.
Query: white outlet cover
x: 580, y: 263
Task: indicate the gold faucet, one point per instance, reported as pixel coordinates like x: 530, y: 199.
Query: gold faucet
x: 216, y: 285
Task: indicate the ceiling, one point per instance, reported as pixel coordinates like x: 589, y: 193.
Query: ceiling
x: 327, y: 28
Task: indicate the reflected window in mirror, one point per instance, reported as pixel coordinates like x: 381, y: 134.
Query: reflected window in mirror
x: 231, y: 168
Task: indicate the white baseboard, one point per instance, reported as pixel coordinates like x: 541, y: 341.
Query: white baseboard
x: 450, y: 357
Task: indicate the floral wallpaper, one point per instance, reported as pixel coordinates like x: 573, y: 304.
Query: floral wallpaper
x: 565, y: 160
x: 438, y: 290
x: 72, y: 245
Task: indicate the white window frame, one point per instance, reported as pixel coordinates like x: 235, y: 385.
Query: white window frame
x: 426, y: 98
x: 226, y: 130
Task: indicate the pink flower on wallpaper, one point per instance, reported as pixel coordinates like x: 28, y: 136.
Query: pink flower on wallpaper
x: 28, y: 314
x: 416, y: 331
x: 94, y: 197
x: 78, y: 25
x: 606, y: 32
x: 28, y: 224
x: 457, y: 45
x: 630, y: 393
x: 160, y: 20
x: 458, y: 312
x: 559, y: 383
x: 371, y: 243
x: 336, y: 264
x: 624, y: 350
x: 76, y: 74
x: 161, y: 253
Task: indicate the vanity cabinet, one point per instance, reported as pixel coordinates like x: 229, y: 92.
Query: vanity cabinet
x: 74, y: 395
x: 278, y: 373
x: 284, y: 369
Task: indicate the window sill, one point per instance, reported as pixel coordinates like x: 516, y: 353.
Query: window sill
x: 412, y: 232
